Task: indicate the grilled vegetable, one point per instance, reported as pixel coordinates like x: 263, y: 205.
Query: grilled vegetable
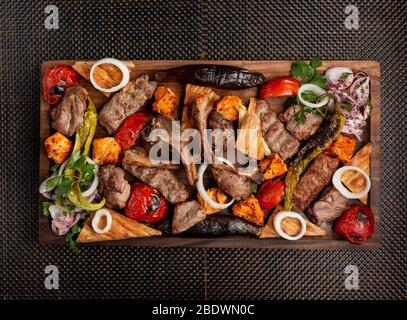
x: 58, y: 147
x: 280, y: 87
x: 106, y: 151
x: 222, y: 224
x: 130, y: 130
x: 343, y: 148
x: 271, y: 194
x: 220, y: 76
x: 272, y: 167
x: 165, y: 101
x: 228, y: 107
x: 249, y: 210
x: 356, y: 224
x: 145, y: 204
x: 56, y: 79
x: 317, y: 144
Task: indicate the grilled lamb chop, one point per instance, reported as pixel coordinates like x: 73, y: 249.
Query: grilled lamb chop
x: 227, y: 179
x: 162, y: 180
x: 329, y: 207
x: 139, y: 157
x: 113, y: 186
x: 186, y: 215
x: 314, y: 180
x: 277, y: 138
x: 166, y: 124
x: 68, y: 115
x: 126, y: 102
x: 223, y: 131
x: 301, y: 131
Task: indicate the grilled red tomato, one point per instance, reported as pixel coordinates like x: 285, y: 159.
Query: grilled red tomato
x: 130, y: 129
x: 280, y: 87
x: 356, y: 224
x: 55, y: 80
x: 271, y: 194
x: 146, y: 204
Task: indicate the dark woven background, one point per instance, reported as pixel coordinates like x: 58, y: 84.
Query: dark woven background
x: 182, y: 30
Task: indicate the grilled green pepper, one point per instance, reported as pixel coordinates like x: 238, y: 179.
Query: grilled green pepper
x: 215, y: 75
x: 315, y: 146
x: 84, y: 137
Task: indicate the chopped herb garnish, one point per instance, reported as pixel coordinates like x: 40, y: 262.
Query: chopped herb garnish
x: 310, y: 96
x: 254, y: 188
x: 346, y: 106
x: 45, y: 208
x: 344, y: 76
x: 71, y: 237
x: 308, y: 73
x: 53, y: 182
x: 55, y: 168
x: 300, y: 116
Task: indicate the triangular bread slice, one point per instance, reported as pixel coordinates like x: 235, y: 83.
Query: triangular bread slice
x: 122, y: 228
x: 353, y: 180
x: 291, y: 226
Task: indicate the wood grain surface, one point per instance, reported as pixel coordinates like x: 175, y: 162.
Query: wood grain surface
x: 270, y: 69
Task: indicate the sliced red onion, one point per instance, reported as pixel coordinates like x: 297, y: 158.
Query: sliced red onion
x: 62, y: 168
x: 62, y: 224
x: 96, y: 219
x: 55, y: 211
x: 359, y: 91
x: 335, y: 79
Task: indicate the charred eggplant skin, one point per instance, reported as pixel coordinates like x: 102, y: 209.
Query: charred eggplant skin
x: 316, y: 145
x: 219, y: 76
x: 223, y: 225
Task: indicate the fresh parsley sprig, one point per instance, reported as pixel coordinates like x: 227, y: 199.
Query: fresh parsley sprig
x: 308, y: 72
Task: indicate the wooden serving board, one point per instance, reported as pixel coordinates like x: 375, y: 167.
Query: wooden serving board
x: 270, y: 69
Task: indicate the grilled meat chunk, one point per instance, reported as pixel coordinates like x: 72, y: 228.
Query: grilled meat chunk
x: 186, y: 215
x: 314, y: 180
x: 228, y: 180
x: 68, y: 115
x: 162, y: 180
x: 126, y: 102
x: 268, y: 104
x: 139, y: 157
x: 222, y: 224
x: 166, y: 124
x: 113, y: 186
x: 223, y: 131
x: 329, y: 207
x: 301, y: 131
x: 277, y: 138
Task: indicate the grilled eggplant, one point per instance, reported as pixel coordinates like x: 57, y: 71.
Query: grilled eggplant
x: 317, y: 144
x: 219, y: 76
x: 223, y: 224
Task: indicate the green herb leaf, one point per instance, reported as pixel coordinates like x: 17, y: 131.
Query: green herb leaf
x: 369, y: 103
x: 55, y: 168
x: 71, y: 237
x: 344, y: 76
x: 309, y: 95
x: 346, y: 106
x: 45, y: 208
x: 53, y: 182
x: 87, y: 172
x: 254, y: 188
x: 291, y: 101
x: 308, y: 73
x: 315, y: 62
x: 300, y: 117
x: 78, y: 165
x: 64, y: 187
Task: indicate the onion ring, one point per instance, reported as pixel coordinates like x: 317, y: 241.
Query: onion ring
x: 95, y: 181
x: 43, y: 187
x: 315, y: 89
x: 123, y: 68
x: 291, y: 214
x: 336, y: 180
x: 96, y: 220
x: 201, y: 188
